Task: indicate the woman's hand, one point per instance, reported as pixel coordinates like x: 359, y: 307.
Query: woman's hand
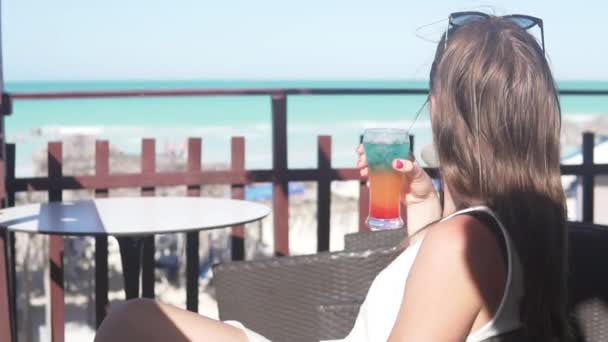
x: 417, y: 192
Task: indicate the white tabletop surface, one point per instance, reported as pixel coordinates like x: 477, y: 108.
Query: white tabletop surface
x: 131, y: 215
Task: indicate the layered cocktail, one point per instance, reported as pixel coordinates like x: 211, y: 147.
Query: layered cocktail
x: 382, y: 146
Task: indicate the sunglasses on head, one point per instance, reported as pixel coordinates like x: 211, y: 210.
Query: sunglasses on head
x: 526, y: 22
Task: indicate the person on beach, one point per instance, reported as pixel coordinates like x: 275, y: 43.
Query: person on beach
x: 484, y: 258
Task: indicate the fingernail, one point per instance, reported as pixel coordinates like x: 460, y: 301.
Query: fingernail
x: 398, y: 164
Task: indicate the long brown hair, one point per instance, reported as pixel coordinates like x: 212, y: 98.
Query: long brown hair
x: 496, y: 127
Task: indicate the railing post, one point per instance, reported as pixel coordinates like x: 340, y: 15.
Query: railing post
x: 323, y: 192
x: 148, y: 167
x: 363, y: 206
x: 7, y: 317
x: 56, y: 246
x: 10, y: 202
x: 588, y: 176
x: 411, y: 157
x: 6, y: 109
x: 280, y: 190
x: 102, y: 169
x: 237, y: 238
x: 10, y: 174
x: 192, y: 242
x: 363, y: 201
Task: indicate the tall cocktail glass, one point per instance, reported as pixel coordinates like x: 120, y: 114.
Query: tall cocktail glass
x: 382, y: 146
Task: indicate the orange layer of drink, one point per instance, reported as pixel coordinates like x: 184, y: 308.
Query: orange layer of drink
x: 384, y: 192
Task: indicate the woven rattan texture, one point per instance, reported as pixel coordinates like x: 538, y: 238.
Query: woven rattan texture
x: 372, y: 240
x: 280, y: 297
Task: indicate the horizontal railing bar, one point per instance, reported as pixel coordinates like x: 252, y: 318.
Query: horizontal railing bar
x: 584, y: 92
x: 215, y: 177
x: 247, y: 92
x: 215, y: 92
x: 134, y: 180
x: 596, y: 169
x: 137, y: 180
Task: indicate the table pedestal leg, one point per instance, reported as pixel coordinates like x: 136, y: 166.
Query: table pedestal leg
x: 192, y: 271
x: 56, y: 251
x: 147, y: 267
x: 101, y: 278
x: 130, y: 253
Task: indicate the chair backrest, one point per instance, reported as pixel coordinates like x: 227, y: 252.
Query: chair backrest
x: 374, y: 239
x: 284, y: 298
x: 588, y: 281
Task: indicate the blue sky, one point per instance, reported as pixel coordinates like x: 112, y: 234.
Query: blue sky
x: 269, y: 39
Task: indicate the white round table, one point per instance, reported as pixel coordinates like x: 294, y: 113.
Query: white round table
x: 130, y: 219
x: 131, y: 216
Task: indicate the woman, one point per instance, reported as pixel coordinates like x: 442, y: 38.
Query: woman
x: 489, y: 258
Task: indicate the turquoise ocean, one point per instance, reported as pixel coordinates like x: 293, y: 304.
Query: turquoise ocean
x: 171, y: 120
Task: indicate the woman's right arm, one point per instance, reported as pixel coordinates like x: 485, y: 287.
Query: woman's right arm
x: 418, y: 194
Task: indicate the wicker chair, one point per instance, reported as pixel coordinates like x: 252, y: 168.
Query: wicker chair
x: 588, y: 281
x: 301, y: 298
x: 374, y: 239
x: 316, y: 297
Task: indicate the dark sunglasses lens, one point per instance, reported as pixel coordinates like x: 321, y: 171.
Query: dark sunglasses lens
x: 465, y: 19
x: 523, y: 22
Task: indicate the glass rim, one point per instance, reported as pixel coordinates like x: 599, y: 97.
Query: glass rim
x: 386, y: 135
x: 385, y: 130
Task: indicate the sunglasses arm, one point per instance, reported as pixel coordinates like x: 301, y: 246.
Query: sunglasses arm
x: 542, y: 35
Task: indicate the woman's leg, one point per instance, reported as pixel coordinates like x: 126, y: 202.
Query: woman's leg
x: 148, y: 320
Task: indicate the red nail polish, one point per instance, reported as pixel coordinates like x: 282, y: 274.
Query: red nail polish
x: 398, y: 164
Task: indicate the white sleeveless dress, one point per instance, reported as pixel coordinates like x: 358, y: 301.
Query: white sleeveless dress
x: 378, y: 313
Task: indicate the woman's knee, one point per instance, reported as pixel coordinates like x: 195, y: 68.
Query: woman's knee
x: 133, y: 307
x: 124, y: 316
x: 126, y: 313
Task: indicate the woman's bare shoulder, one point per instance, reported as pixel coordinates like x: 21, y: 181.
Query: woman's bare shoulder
x: 459, y: 234
x: 472, y: 253
x: 471, y: 250
x: 453, y: 278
